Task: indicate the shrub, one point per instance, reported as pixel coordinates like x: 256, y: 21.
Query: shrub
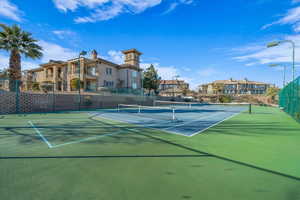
x: 75, y: 84
x: 87, y: 101
x: 36, y: 86
x: 225, y: 99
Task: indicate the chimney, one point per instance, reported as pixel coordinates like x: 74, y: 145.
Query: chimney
x: 94, y: 54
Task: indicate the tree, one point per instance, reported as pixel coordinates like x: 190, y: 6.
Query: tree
x: 4, y: 73
x: 151, y: 79
x: 75, y: 84
x: 35, y: 86
x: 272, y: 92
x: 17, y: 42
x: 218, y: 88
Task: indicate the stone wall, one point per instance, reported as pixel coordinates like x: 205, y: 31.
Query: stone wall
x: 10, y: 102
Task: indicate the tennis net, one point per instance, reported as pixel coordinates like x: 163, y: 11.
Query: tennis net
x: 181, y: 111
x: 154, y: 111
x: 174, y: 104
x: 197, y: 105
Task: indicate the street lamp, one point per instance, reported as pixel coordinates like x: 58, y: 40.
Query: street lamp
x: 284, y: 71
x: 277, y: 43
x: 82, y: 53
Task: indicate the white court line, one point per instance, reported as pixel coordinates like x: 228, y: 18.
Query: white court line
x: 143, y: 126
x: 215, y: 124
x: 172, y: 132
x: 86, y: 139
x: 203, y: 117
x: 40, y: 134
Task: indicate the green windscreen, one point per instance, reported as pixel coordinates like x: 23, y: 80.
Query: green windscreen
x: 289, y: 99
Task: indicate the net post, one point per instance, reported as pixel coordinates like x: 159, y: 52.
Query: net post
x: 173, y: 114
x: 139, y: 109
x: 250, y: 108
x: 190, y: 106
x: 118, y: 107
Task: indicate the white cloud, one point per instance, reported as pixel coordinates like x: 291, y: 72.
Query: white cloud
x: 292, y: 17
x: 172, y: 7
x: 264, y: 55
x: 175, y: 4
x: 207, y: 72
x: 166, y: 72
x: 116, y: 56
x: 105, y: 9
x: 4, y: 63
x: 101, y: 10
x: 62, y: 34
x: 251, y: 64
x: 101, y: 14
x: 53, y: 51
x: 9, y: 10
x: 169, y: 72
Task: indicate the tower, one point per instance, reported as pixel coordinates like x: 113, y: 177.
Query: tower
x: 132, y: 57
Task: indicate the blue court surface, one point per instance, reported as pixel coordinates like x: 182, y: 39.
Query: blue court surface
x: 183, y: 121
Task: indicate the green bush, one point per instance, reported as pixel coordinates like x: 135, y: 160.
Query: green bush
x: 87, y: 101
x: 47, y: 86
x: 36, y: 86
x: 225, y: 99
x: 75, y: 84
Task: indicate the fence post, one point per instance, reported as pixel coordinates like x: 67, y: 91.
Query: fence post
x: 53, y: 97
x: 17, y: 90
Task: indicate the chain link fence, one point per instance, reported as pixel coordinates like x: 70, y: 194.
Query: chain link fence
x: 32, y: 97
x: 289, y: 99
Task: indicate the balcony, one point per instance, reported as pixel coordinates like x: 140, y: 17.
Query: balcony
x: 49, y: 77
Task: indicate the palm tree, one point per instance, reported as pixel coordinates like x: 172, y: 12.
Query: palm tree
x: 17, y: 42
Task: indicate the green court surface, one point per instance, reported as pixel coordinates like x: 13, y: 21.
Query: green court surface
x: 79, y: 156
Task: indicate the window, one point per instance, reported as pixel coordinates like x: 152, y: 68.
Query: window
x: 76, y: 68
x: 134, y: 85
x: 134, y: 74
x: 108, y: 71
x: 108, y: 83
x: 91, y: 71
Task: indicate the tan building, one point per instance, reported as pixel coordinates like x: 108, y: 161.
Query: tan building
x: 173, y: 88
x: 234, y: 87
x: 95, y: 73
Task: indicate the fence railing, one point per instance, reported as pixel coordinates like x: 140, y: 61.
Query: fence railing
x: 29, y: 97
x: 289, y: 99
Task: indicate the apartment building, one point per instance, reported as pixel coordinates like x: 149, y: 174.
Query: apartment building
x: 167, y: 84
x: 173, y: 88
x: 95, y: 73
x: 234, y: 87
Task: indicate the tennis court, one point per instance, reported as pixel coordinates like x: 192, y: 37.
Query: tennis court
x: 184, y: 119
x: 187, y: 119
x: 80, y: 155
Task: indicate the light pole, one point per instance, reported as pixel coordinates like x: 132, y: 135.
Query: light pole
x: 277, y: 43
x: 284, y: 72
x: 82, y: 53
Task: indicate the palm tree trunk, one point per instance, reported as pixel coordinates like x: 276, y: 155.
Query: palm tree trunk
x: 14, y: 71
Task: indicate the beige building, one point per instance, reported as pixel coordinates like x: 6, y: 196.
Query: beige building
x: 234, y: 87
x: 173, y: 88
x: 95, y: 73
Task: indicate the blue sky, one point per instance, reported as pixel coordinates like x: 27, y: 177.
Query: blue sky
x: 200, y: 40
